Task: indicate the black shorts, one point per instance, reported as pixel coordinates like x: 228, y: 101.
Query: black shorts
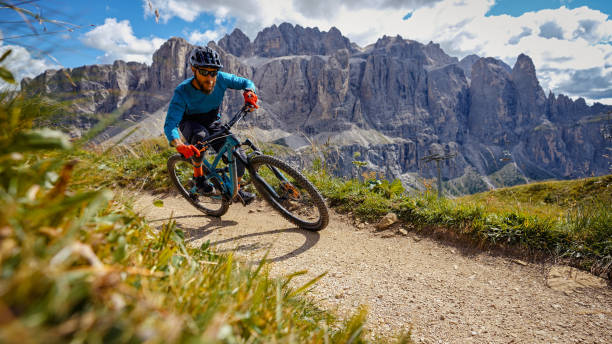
x: 196, y: 130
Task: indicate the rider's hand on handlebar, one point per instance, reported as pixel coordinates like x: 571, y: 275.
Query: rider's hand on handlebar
x: 188, y: 150
x: 250, y: 100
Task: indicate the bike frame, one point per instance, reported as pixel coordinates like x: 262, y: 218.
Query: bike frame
x: 230, y: 185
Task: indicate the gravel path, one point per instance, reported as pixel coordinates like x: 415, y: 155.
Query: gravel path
x: 446, y: 293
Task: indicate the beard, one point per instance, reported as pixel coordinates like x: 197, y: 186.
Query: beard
x: 206, y: 88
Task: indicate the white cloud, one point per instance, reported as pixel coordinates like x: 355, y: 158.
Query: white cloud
x: 118, y: 42
x: 22, y: 64
x: 253, y: 15
x: 563, y: 43
x: 202, y: 38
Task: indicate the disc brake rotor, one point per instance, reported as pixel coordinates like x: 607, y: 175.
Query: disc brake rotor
x: 291, y: 190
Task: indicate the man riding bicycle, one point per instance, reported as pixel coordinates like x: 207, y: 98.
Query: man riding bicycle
x: 194, y: 109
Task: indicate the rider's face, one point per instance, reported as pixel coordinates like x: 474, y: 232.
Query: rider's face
x: 206, y: 83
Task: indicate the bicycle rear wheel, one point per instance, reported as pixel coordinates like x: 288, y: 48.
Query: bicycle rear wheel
x: 289, y: 192
x: 181, y: 174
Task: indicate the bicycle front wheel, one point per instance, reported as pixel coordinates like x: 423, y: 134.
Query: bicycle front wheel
x: 181, y: 174
x: 289, y: 192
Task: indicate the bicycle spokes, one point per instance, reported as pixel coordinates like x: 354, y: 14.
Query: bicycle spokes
x: 286, y: 191
x: 181, y: 173
x: 289, y: 192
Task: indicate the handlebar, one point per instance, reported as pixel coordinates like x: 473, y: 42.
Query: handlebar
x: 238, y: 116
x: 226, y: 127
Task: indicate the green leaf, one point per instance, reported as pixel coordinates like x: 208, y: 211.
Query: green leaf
x: 121, y: 250
x: 6, y: 53
x: 41, y: 139
x: 396, y: 187
x: 307, y: 285
x: 6, y: 75
x: 158, y: 203
x: 289, y: 277
x: 165, y: 256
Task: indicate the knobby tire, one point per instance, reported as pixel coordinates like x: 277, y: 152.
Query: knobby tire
x: 255, y: 162
x: 223, y: 206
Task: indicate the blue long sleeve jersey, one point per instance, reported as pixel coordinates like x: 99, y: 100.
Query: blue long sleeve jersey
x: 187, y: 100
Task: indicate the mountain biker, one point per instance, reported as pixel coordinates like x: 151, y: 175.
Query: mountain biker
x: 194, y: 109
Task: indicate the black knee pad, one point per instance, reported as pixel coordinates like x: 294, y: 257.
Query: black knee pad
x: 198, y: 137
x: 239, y: 165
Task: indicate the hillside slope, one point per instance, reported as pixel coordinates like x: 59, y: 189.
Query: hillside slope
x: 446, y: 293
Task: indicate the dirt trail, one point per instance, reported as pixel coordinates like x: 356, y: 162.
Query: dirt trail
x: 448, y: 294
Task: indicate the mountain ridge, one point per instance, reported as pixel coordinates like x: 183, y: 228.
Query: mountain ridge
x: 321, y: 85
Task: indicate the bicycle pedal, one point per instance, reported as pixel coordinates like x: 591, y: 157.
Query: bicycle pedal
x: 239, y: 198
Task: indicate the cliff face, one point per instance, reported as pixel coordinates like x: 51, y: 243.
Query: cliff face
x: 394, y: 102
x: 92, y: 89
x: 284, y: 40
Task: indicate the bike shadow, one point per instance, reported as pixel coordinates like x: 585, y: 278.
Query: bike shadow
x: 214, y: 222
x: 175, y: 217
x: 193, y: 234
x: 311, y: 239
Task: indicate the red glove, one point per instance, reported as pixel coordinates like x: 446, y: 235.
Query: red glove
x: 250, y: 100
x: 188, y: 150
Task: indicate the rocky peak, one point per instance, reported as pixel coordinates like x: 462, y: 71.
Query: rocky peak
x: 385, y: 42
x: 492, y: 95
x: 287, y: 39
x: 333, y: 41
x: 524, y: 75
x: 170, y: 45
x: 563, y: 109
x: 466, y: 64
x: 524, y: 65
x: 437, y: 55
x: 90, y: 89
x: 489, y: 67
x: 400, y: 48
x: 397, y: 46
x: 237, y: 44
x: 531, y: 98
x: 170, y: 65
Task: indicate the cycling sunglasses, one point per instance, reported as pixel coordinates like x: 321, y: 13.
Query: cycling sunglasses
x: 204, y: 72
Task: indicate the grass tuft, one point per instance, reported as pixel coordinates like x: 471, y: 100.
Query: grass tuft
x: 570, y: 220
x: 79, y: 265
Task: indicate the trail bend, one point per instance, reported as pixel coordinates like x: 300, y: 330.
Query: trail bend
x: 447, y: 293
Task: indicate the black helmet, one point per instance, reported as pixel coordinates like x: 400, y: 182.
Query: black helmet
x: 204, y: 57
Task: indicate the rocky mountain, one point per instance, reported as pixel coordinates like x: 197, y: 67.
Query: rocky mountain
x: 284, y: 40
x: 393, y: 102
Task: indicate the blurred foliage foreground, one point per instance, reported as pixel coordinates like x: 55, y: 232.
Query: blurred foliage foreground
x: 78, y: 265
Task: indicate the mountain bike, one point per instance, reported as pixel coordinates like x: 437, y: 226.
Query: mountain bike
x: 282, y: 186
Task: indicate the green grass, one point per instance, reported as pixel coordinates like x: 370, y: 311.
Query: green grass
x: 84, y: 267
x: 78, y: 265
x: 471, y: 182
x: 509, y: 175
x: 562, y: 194
x: 571, y: 220
x: 139, y: 167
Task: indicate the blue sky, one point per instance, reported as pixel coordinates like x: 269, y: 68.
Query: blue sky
x: 517, y: 7
x: 570, y: 41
